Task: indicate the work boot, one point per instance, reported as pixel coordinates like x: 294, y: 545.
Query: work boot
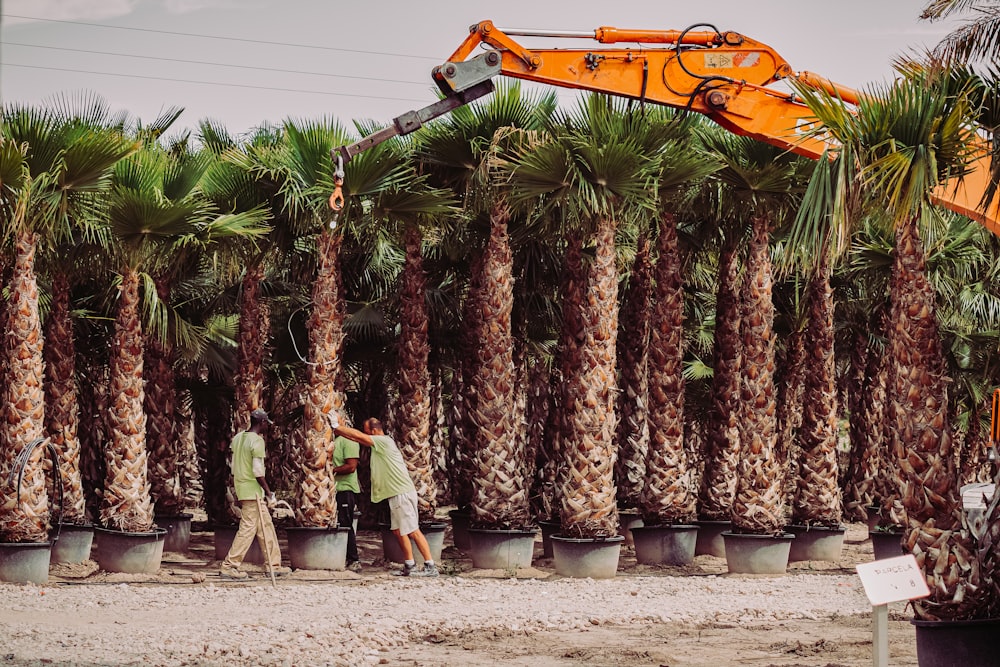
x: 405, y: 572
x: 354, y: 566
x: 426, y: 571
x: 281, y: 570
x: 232, y: 573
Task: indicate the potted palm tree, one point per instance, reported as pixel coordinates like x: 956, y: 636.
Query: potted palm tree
x: 299, y: 167
x: 592, y: 170
x: 466, y: 153
x: 817, y: 505
x: 153, y: 206
x: 53, y: 161
x: 761, y: 180
x: 667, y: 502
x: 906, y: 140
x: 718, y: 484
x: 413, y: 352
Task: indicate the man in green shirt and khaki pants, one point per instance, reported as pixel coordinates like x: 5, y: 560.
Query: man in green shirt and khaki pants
x: 250, y: 485
x: 391, y: 480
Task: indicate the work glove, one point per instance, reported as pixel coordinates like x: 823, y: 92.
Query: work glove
x: 334, y: 420
x: 271, y: 501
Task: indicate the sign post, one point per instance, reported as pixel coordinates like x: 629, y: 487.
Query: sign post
x: 889, y: 580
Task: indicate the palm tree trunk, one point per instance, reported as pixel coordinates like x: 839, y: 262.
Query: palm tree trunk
x: 790, y: 385
x: 317, y: 498
x: 439, y: 437
x: 633, y: 353
x: 571, y: 335
x: 414, y: 377
x: 723, y: 438
x: 62, y: 409
x: 857, y: 489
x: 589, y: 506
x: 24, y: 512
x: 95, y: 380
x: 539, y: 403
x: 666, y: 496
x: 463, y: 405
x: 500, y: 497
x: 921, y: 439
x: 818, y: 498
x: 460, y: 444
x: 974, y: 466
x: 255, y: 327
x: 188, y: 468
x: 161, y: 434
x: 127, y: 505
x: 758, y: 506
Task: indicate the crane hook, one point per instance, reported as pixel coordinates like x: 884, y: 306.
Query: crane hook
x: 337, y: 198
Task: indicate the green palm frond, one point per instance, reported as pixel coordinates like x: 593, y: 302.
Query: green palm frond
x: 696, y: 369
x: 41, y: 130
x: 245, y: 225
x: 135, y: 216
x: 977, y: 37
x: 12, y: 166
x: 88, y: 155
x: 215, y: 137
x: 182, y: 174
x: 682, y: 164
x: 545, y: 171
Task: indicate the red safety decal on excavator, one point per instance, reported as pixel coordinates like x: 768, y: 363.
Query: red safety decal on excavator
x: 731, y: 60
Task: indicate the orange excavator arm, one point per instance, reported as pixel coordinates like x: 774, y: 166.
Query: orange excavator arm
x: 723, y: 75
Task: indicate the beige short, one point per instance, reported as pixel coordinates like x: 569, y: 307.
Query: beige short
x: 403, y: 513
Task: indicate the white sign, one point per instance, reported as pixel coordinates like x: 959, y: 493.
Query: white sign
x: 892, y: 580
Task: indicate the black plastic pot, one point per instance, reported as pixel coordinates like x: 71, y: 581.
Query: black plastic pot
x: 950, y: 643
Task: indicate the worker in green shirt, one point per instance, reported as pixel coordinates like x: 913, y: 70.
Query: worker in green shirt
x: 251, y: 486
x: 345, y: 468
x: 391, y: 480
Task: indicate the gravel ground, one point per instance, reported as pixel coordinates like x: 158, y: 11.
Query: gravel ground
x: 360, y: 621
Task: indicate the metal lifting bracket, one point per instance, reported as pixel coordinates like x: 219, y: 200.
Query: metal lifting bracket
x: 461, y: 82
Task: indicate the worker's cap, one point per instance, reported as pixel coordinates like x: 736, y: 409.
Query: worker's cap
x: 258, y: 416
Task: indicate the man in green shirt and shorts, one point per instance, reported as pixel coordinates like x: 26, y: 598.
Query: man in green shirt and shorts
x: 346, y: 453
x: 391, y: 480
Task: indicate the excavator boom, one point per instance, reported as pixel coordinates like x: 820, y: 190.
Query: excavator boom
x: 723, y: 75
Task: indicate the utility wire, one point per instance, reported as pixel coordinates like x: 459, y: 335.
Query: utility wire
x: 204, y: 62
x: 230, y: 39
x: 214, y: 83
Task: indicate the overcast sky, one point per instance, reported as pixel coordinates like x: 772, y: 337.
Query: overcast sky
x: 244, y: 62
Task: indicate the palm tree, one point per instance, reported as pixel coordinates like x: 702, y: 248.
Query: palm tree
x: 668, y: 493
x: 230, y: 181
x: 757, y: 181
x: 146, y: 223
x: 51, y: 164
x: 592, y: 170
x: 163, y: 338
x: 817, y: 499
x: 413, y: 359
x: 466, y: 154
x: 907, y: 138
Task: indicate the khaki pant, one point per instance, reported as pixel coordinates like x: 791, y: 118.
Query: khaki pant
x: 253, y: 524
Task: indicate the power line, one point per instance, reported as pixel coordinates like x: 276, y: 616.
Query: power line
x: 204, y: 62
x: 230, y: 39
x: 214, y: 83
